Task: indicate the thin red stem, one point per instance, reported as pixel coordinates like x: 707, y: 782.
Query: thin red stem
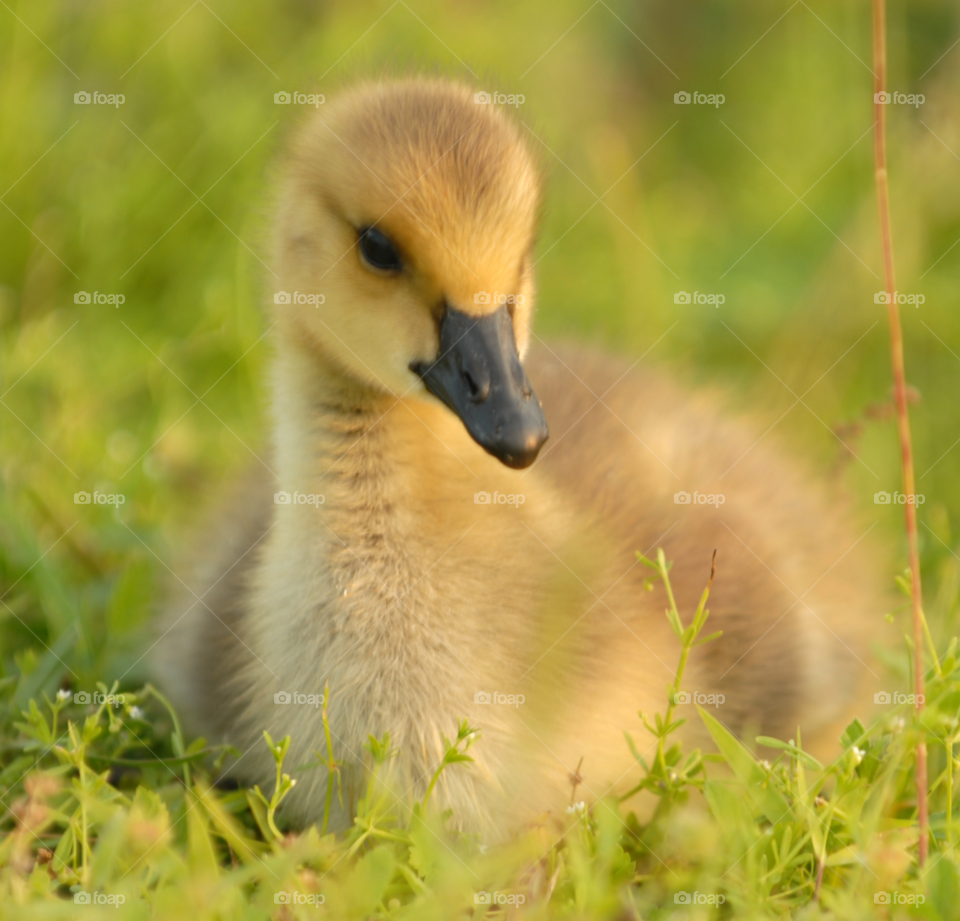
x: 900, y: 397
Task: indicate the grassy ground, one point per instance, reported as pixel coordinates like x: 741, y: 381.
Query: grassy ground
x: 163, y: 199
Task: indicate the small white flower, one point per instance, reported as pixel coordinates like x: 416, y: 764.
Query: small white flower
x: 63, y: 694
x: 858, y: 753
x: 136, y: 713
x: 765, y: 764
x: 576, y: 807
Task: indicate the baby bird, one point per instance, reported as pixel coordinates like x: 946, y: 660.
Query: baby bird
x: 426, y: 550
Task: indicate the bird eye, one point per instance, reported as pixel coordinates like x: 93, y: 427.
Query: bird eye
x: 378, y: 251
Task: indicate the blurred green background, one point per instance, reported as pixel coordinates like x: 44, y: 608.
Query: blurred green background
x: 165, y: 199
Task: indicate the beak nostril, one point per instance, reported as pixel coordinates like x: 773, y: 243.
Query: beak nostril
x: 479, y: 390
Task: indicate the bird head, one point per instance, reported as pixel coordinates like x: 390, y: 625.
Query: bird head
x: 407, y: 218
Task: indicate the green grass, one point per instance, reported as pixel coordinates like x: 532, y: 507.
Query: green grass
x: 113, y: 802
x: 162, y: 398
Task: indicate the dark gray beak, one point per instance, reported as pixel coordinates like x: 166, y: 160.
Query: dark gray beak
x: 479, y: 376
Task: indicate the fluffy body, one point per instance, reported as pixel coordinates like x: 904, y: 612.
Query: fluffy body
x: 407, y: 596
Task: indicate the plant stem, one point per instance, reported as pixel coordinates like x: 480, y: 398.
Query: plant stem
x: 664, y: 569
x: 950, y: 741
x: 180, y: 746
x: 900, y: 397
x: 685, y: 640
x: 433, y: 783
x: 330, y: 762
x: 275, y: 801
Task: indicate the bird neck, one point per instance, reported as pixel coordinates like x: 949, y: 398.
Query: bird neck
x: 321, y: 417
x: 339, y: 437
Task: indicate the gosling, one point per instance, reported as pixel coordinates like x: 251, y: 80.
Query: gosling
x: 427, y: 553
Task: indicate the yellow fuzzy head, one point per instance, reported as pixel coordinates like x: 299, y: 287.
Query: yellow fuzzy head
x: 448, y: 182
